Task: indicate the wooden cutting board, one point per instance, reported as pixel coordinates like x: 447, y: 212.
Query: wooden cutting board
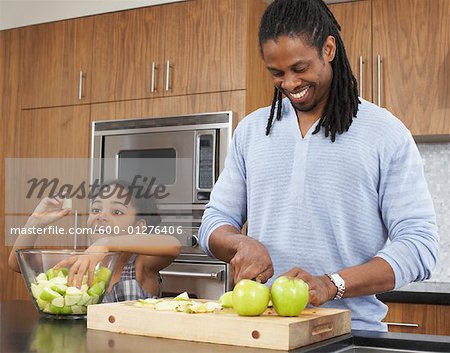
x: 225, y: 327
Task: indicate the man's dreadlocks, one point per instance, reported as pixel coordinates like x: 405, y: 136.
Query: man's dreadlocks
x: 313, y: 21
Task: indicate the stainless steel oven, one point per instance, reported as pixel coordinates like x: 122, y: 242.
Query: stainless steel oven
x: 184, y: 155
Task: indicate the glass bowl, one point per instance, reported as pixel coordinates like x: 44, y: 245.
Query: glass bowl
x: 49, y: 290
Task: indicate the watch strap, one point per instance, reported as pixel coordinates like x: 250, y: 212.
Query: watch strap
x: 339, y: 282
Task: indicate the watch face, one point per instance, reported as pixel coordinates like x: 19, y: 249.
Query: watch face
x: 338, y: 280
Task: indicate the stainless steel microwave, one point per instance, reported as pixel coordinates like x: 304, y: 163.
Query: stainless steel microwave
x: 183, y: 153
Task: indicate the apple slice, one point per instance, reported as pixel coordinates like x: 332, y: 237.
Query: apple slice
x: 48, y: 294
x: 97, y: 289
x: 40, y: 278
x: 102, y: 275
x: 84, y: 299
x: 182, y: 296
x: 59, y: 302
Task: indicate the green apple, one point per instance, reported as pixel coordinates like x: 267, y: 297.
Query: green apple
x: 226, y: 299
x: 250, y: 298
x: 289, y: 296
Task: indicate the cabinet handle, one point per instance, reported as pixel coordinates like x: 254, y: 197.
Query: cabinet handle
x: 361, y: 62
x: 379, y: 80
x: 168, y: 87
x: 401, y: 324
x: 214, y: 275
x: 152, y: 85
x: 80, y: 86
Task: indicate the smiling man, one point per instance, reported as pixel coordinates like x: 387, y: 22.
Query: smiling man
x: 331, y: 185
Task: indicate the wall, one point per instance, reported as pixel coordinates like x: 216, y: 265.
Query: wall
x: 436, y: 160
x: 18, y: 13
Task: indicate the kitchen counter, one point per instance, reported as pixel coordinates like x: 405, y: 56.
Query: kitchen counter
x: 419, y: 293
x: 21, y: 330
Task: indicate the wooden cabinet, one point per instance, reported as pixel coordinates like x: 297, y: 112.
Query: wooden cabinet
x: 56, y: 63
x: 11, y: 283
x: 205, y: 45
x: 411, y: 38
x: 428, y: 319
x: 54, y: 132
x: 177, y: 49
x: 356, y: 32
x: 125, y: 47
x: 408, y: 64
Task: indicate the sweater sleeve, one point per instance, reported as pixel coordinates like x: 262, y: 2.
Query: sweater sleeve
x: 228, y: 202
x: 408, y: 214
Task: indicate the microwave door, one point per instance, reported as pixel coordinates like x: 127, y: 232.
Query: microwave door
x: 165, y: 157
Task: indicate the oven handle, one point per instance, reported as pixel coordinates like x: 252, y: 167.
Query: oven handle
x: 214, y: 275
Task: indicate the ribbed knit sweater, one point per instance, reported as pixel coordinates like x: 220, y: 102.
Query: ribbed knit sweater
x: 325, y: 206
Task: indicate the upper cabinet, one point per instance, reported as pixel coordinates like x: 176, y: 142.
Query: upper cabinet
x: 56, y: 63
x: 399, y: 50
x: 411, y: 45
x: 356, y: 32
x: 183, y: 48
x: 127, y: 55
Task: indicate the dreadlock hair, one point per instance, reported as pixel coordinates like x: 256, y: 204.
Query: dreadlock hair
x: 313, y: 22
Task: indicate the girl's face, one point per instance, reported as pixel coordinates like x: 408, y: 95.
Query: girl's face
x: 113, y: 212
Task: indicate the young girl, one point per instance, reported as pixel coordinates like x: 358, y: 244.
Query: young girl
x: 142, y: 256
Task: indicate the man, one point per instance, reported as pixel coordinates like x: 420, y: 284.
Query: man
x: 333, y: 189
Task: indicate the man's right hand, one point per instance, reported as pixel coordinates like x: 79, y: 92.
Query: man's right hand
x: 251, y: 261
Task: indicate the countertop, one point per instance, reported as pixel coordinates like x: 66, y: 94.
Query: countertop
x: 21, y: 330
x: 420, y: 293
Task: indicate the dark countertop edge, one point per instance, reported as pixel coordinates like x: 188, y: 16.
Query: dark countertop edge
x: 389, y: 340
x: 415, y: 297
x: 416, y: 342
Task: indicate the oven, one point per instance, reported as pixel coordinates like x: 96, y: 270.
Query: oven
x: 182, y: 157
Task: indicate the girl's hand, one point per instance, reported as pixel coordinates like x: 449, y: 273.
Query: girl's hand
x: 81, y: 264
x: 46, y: 212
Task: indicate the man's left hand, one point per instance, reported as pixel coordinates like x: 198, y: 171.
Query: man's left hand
x: 321, y: 289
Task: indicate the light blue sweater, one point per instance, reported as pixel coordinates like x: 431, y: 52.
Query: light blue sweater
x: 325, y: 206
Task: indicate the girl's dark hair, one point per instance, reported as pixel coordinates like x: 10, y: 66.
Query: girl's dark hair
x: 135, y: 194
x: 313, y: 22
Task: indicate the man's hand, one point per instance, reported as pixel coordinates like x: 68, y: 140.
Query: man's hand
x: 251, y: 261
x: 321, y: 289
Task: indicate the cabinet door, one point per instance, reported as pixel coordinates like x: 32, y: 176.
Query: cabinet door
x: 443, y: 320
x: 205, y: 46
x: 412, y: 41
x: 54, y: 132
x: 411, y: 318
x: 56, y: 63
x: 356, y: 32
x: 11, y: 283
x: 126, y: 45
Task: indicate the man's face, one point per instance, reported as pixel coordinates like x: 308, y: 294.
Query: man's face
x: 302, y: 74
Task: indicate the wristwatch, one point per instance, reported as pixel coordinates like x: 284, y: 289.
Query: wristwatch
x: 339, y: 282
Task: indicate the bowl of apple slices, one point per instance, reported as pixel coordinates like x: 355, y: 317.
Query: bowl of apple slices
x: 49, y: 289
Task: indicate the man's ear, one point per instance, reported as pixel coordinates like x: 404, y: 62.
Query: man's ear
x: 329, y: 49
